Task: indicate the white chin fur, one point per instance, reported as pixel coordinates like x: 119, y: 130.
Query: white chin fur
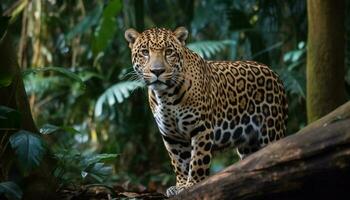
x: 158, y: 86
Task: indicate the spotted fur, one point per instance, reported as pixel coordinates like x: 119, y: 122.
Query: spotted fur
x: 203, y: 106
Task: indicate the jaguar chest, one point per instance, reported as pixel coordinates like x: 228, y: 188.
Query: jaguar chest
x: 176, y: 121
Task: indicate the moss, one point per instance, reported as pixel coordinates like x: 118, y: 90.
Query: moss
x: 325, y: 57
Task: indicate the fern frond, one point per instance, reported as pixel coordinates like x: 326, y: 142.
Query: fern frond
x: 117, y: 93
x: 208, y: 49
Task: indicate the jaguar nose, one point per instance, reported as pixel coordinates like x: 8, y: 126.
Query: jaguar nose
x: 157, y: 72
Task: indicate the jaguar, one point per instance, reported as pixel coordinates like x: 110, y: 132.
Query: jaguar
x: 202, y: 107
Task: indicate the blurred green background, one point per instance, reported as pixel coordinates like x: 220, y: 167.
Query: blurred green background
x: 75, y: 65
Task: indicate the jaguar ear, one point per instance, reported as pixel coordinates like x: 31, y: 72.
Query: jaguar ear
x: 181, y: 34
x: 130, y: 36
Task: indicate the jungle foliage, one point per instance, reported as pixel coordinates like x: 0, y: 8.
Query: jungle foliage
x: 77, y: 72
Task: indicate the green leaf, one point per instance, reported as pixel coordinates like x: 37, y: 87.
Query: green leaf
x: 5, y: 79
x: 70, y: 130
x: 116, y: 93
x: 47, y: 129
x: 99, y: 158
x: 9, y: 118
x: 301, y: 45
x: 98, y: 171
x: 208, y: 49
x: 293, y: 56
x: 101, y: 169
x: 86, y: 23
x: 107, y: 27
x: 10, y: 190
x: 87, y: 75
x: 29, y: 149
x: 61, y: 70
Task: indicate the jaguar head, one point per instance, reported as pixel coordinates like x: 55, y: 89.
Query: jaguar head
x: 157, y: 56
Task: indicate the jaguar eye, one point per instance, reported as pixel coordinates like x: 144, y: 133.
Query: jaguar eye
x: 168, y: 52
x: 145, y: 52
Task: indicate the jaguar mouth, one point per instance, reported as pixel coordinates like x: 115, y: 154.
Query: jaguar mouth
x: 160, y: 85
x: 157, y: 82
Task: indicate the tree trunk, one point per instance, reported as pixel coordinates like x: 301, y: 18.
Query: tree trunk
x: 40, y: 183
x: 313, y: 163
x: 325, y: 57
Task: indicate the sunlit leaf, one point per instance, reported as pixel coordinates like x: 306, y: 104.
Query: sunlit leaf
x: 47, y: 129
x: 29, y: 149
x: 84, y: 174
x: 11, y: 190
x: 293, y: 56
x: 301, y: 45
x: 17, y: 10
x: 61, y: 70
x: 116, y: 93
x: 107, y: 26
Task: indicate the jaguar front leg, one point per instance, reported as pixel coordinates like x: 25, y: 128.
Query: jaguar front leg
x: 200, y: 158
x: 180, y: 155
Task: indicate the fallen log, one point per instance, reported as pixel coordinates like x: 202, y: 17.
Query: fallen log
x: 313, y: 163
